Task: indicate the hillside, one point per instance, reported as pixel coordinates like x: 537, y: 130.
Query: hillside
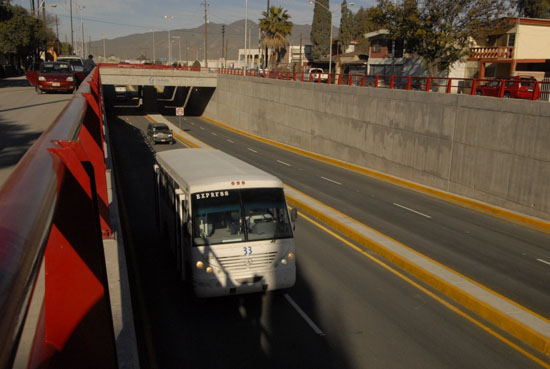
x: 191, y: 42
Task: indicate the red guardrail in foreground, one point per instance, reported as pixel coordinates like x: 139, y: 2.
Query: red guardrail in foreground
x: 469, y: 86
x: 55, y: 210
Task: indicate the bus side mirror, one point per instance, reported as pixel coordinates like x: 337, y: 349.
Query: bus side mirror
x: 293, y: 214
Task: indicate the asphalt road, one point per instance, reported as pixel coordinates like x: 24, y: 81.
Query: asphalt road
x: 509, y: 259
x: 346, y: 310
x: 24, y: 116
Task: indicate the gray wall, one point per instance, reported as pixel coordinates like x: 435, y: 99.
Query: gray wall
x: 493, y: 150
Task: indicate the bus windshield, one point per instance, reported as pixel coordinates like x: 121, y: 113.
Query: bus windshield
x: 239, y: 216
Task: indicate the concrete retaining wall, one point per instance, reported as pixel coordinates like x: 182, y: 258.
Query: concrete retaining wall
x: 493, y: 150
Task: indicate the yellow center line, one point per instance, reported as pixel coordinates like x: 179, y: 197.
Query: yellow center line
x: 429, y: 293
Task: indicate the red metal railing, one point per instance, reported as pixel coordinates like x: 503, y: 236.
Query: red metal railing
x: 55, y: 209
x: 469, y: 86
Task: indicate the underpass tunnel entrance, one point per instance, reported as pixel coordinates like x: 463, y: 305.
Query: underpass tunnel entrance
x: 158, y: 99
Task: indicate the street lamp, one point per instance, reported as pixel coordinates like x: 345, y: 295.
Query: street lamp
x: 168, y: 17
x: 330, y: 46
x: 154, y: 57
x: 71, y: 16
x: 80, y: 7
x: 179, y: 47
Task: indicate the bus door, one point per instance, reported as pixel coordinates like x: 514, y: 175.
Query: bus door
x: 157, y: 196
x: 181, y: 231
x: 177, y: 227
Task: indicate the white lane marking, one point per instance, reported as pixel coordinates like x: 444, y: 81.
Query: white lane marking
x: 412, y: 210
x: 202, y: 128
x: 282, y: 162
x: 249, y: 149
x: 544, y: 261
x: 330, y: 180
x: 213, y: 134
x: 230, y: 141
x: 314, y: 326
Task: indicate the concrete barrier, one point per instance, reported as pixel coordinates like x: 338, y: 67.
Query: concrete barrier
x: 493, y: 150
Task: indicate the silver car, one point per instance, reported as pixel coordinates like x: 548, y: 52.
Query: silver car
x: 159, y: 133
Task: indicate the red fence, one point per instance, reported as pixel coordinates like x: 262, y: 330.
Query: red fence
x: 54, y: 213
x: 469, y: 86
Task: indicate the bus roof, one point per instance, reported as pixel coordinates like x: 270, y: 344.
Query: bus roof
x: 199, y: 170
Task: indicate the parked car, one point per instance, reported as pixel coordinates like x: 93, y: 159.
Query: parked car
x: 77, y: 63
x: 519, y: 87
x: 159, y: 133
x: 417, y: 83
x: 315, y: 73
x: 56, y: 76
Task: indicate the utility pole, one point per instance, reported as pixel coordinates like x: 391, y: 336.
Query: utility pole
x: 72, y: 33
x: 300, y: 68
x: 56, y: 28
x: 266, y: 57
x: 226, y: 45
x: 205, y: 34
x: 44, y: 11
x: 223, y: 44
x: 245, y: 32
x: 83, y: 51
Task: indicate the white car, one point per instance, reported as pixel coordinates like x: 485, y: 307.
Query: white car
x: 315, y: 73
x: 75, y: 61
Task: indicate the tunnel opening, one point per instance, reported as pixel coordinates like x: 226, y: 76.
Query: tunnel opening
x: 139, y: 100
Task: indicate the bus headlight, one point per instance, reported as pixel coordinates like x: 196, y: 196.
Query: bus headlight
x: 209, y: 269
x: 291, y: 256
x: 283, y: 261
x: 199, y: 265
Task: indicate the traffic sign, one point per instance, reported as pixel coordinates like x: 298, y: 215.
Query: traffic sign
x: 179, y: 111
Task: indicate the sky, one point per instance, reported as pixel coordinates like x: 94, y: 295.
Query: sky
x: 115, y: 18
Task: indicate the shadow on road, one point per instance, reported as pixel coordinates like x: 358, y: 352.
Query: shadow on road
x: 34, y: 105
x: 176, y: 330
x: 14, y: 82
x: 14, y: 142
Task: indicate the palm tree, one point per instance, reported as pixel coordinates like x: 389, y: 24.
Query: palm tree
x: 275, y: 27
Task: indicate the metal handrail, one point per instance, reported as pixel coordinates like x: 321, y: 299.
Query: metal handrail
x: 28, y: 200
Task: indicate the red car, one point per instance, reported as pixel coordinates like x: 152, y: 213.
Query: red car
x: 56, y: 76
x: 519, y: 87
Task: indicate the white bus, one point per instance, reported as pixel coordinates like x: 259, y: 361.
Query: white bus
x: 226, y: 222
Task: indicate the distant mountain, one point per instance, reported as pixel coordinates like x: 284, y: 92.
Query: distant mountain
x: 191, y: 42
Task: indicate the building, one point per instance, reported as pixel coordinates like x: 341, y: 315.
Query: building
x: 520, y: 46
x: 388, y: 57
x: 292, y: 57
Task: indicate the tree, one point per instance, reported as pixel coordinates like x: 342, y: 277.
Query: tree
x: 22, y: 35
x: 348, y: 29
x: 367, y: 20
x: 320, y: 29
x: 275, y: 27
x: 534, y: 8
x: 440, y: 31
